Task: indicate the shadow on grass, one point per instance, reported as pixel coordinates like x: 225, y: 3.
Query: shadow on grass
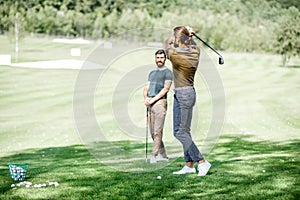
x: 293, y: 66
x: 241, y: 169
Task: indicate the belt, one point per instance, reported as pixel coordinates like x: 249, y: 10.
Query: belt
x: 184, y: 87
x: 160, y: 98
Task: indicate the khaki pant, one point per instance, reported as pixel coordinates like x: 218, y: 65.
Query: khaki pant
x: 157, y: 120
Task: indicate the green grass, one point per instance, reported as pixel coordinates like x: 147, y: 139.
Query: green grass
x: 40, y: 49
x: 240, y: 170
x: 256, y: 156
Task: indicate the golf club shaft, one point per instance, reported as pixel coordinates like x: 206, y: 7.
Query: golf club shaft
x: 147, y: 127
x: 221, y: 60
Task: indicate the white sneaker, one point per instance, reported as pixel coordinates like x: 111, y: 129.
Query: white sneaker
x: 160, y: 158
x: 185, y: 170
x: 152, y: 159
x: 203, y: 168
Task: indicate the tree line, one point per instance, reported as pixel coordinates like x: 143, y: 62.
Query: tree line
x: 240, y: 25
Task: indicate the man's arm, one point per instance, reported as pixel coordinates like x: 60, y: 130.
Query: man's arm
x: 146, y: 99
x: 162, y: 93
x: 146, y: 90
x: 169, y: 42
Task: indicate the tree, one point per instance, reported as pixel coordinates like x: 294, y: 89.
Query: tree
x: 288, y: 35
x: 16, y: 31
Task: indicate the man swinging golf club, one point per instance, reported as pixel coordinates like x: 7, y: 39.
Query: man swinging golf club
x: 184, y: 54
x: 155, y: 98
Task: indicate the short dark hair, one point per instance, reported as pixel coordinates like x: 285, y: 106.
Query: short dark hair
x: 161, y: 51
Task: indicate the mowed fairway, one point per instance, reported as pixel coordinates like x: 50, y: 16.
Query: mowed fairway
x: 255, y: 157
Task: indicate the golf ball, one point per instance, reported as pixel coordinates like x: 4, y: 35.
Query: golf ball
x: 158, y: 177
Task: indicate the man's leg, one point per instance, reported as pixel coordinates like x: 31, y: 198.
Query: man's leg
x: 178, y: 126
x: 159, y: 111
x: 183, y: 107
x: 162, y: 150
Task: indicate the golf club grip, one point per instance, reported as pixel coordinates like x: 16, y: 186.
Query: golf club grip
x: 221, y: 60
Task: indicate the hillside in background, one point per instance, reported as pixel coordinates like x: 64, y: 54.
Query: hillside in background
x: 248, y: 26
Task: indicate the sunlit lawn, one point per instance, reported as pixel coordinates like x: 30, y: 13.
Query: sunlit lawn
x: 240, y: 169
x: 256, y: 156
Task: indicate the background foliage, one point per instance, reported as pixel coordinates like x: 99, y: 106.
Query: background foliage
x: 248, y: 26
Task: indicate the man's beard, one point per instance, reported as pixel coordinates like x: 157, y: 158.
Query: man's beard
x: 160, y: 64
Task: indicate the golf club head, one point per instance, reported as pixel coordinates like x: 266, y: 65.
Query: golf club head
x: 221, y: 61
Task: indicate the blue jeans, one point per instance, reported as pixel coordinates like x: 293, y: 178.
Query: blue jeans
x: 184, y: 101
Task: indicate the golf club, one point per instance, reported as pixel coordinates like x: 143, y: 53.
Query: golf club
x: 221, y: 60
x: 147, y: 127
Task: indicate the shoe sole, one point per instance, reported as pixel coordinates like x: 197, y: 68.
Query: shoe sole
x: 184, y: 173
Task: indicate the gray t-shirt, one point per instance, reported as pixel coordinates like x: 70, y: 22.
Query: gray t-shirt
x: 157, y: 79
